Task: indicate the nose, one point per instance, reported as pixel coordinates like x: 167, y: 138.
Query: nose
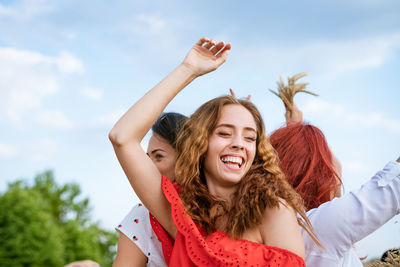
x: 237, y: 142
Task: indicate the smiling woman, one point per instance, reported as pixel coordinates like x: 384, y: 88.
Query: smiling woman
x: 231, y: 203
x: 226, y: 161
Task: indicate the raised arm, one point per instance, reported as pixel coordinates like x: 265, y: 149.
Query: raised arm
x: 343, y: 221
x: 205, y: 56
x: 293, y: 114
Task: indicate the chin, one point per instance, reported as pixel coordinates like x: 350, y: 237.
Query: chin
x: 232, y: 180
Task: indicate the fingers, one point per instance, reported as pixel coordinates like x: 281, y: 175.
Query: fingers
x: 215, y: 48
x: 225, y: 50
x: 209, y: 44
x: 288, y: 107
x: 232, y: 92
x: 202, y: 41
x: 84, y: 263
x: 223, y: 54
x: 234, y: 95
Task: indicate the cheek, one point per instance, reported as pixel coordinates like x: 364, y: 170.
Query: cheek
x: 212, y: 149
x: 160, y: 166
x: 251, y: 150
x: 217, y: 143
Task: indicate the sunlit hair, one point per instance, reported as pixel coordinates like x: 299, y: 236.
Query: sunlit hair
x: 307, y: 162
x: 264, y: 185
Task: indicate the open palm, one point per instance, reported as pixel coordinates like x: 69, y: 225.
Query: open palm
x: 206, y: 55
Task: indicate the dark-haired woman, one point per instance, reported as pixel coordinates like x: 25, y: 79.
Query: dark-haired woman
x: 139, y: 241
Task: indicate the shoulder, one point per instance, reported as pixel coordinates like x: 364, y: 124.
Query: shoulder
x: 139, y: 211
x: 136, y: 231
x: 136, y: 223
x: 279, y: 228
x: 283, y: 211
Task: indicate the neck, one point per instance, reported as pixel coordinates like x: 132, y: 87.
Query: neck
x: 221, y: 191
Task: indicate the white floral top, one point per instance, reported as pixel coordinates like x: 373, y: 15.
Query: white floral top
x: 136, y: 226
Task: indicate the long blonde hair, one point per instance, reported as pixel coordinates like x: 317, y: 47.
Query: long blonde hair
x: 263, y: 186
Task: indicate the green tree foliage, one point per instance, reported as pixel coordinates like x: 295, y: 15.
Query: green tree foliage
x: 49, y: 225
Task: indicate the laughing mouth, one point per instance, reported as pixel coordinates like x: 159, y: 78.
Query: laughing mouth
x: 232, y: 161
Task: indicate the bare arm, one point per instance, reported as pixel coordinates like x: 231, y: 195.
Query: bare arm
x: 128, y: 254
x: 293, y: 114
x: 205, y: 56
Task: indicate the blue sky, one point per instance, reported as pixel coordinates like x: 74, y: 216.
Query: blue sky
x: 69, y: 69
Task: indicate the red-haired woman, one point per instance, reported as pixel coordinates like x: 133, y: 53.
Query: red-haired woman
x: 233, y: 205
x: 315, y: 173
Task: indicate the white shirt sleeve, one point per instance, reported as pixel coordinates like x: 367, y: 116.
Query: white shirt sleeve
x: 343, y: 221
x: 136, y: 226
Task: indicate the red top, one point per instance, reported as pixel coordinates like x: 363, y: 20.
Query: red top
x: 192, y: 248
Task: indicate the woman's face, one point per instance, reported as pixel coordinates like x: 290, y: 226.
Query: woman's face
x: 163, y: 155
x: 231, y: 148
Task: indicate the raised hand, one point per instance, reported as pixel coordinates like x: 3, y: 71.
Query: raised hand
x: 234, y: 95
x: 206, y: 56
x: 293, y: 114
x: 84, y: 263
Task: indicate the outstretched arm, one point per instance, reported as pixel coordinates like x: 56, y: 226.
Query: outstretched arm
x: 205, y: 56
x: 341, y: 222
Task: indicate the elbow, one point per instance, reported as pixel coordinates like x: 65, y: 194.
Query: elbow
x: 115, y: 137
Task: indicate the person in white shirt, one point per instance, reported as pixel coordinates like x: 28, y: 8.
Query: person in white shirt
x: 315, y: 173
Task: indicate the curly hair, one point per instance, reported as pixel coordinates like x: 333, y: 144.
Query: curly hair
x: 307, y: 162
x: 263, y: 186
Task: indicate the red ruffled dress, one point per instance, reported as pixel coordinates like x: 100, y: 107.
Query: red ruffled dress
x: 192, y: 248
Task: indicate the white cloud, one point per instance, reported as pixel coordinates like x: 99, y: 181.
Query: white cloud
x: 42, y: 150
x: 92, y: 93
x: 327, y: 57
x: 7, y: 151
x: 68, y: 63
x: 54, y: 119
x: 341, y: 113
x: 109, y: 119
x: 27, y: 77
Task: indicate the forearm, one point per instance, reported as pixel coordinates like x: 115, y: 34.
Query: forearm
x: 149, y: 107
x: 343, y: 221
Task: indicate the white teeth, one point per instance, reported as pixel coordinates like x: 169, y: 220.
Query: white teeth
x: 232, y: 165
x: 232, y: 159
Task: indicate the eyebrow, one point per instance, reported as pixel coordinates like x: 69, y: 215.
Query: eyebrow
x: 232, y: 126
x: 156, y: 150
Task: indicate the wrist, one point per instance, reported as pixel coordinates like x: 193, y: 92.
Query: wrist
x: 188, y: 70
